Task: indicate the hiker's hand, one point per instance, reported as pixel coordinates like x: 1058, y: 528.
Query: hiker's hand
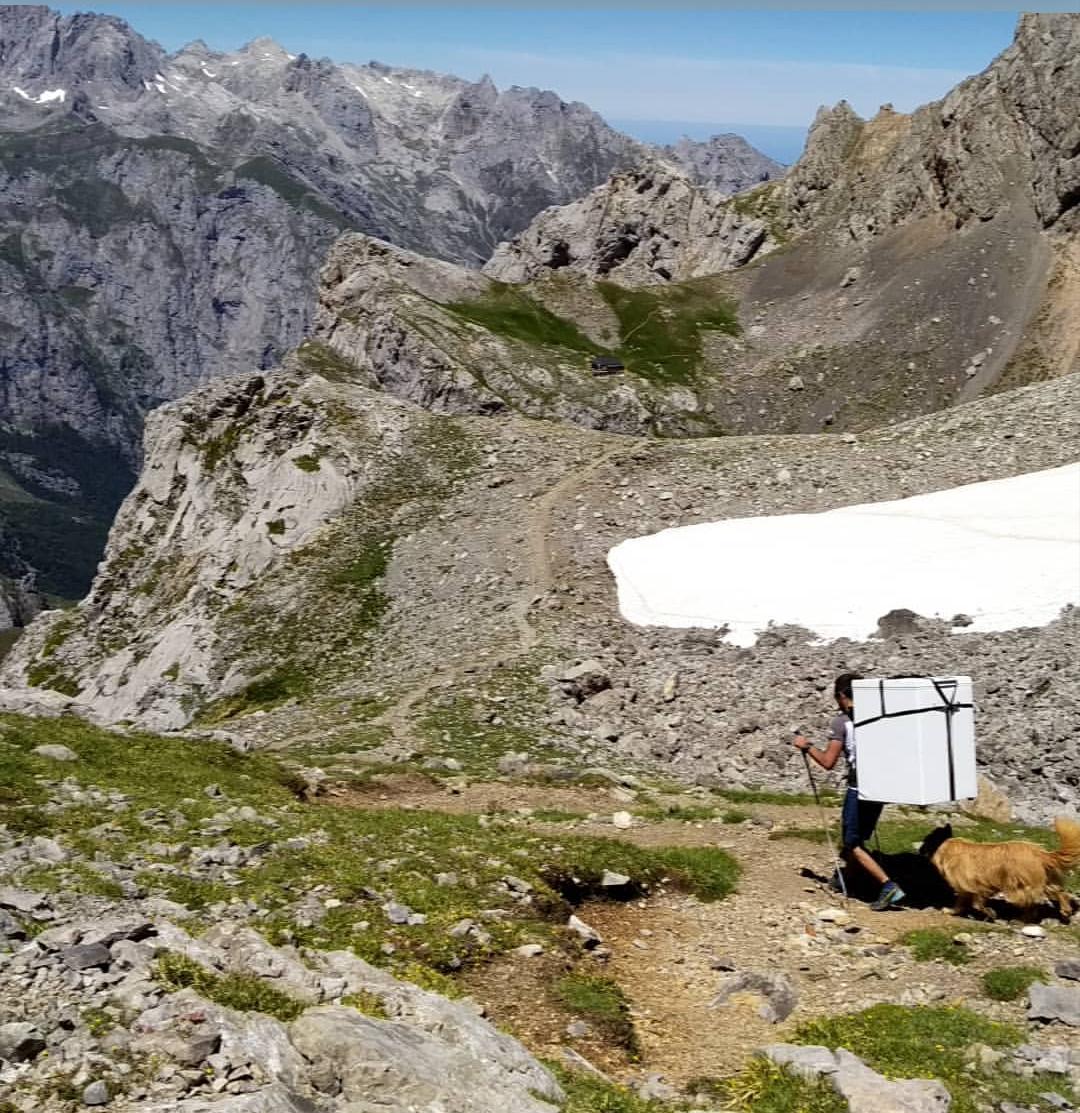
x: 801, y: 743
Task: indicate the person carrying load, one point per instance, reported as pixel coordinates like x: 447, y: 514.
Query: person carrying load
x: 859, y: 817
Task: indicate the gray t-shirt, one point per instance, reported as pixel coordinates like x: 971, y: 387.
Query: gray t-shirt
x: 843, y: 729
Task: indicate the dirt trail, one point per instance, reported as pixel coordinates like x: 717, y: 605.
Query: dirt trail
x: 540, y: 574
x: 663, y: 949
x: 539, y: 579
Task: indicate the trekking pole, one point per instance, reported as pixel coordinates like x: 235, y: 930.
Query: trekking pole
x: 825, y: 827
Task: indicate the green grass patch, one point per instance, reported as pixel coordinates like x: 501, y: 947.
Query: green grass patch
x: 1009, y: 983
x: 768, y: 796
x: 308, y: 462
x: 151, y: 771
x: 45, y: 674
x: 661, y: 327
x: 934, y: 1042
x: 765, y: 1087
x: 588, y: 1093
x: 268, y: 172
x: 361, y: 857
x: 687, y: 813
x: 479, y: 726
x: 243, y: 992
x: 509, y: 311
x: 905, y: 834
x: 99, y: 1022
x: 602, y: 1003
x: 322, y: 360
x: 367, y: 1003
x: 930, y: 944
x: 556, y: 815
x: 765, y: 202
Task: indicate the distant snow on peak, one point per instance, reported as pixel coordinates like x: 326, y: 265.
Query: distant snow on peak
x: 42, y: 98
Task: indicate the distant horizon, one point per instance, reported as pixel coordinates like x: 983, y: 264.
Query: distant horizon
x: 649, y: 72
x: 784, y: 144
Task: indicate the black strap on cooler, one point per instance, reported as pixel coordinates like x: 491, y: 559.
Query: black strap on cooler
x: 948, y: 705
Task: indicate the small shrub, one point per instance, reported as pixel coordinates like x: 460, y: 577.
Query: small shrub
x: 243, y: 992
x: 98, y: 1021
x: 765, y: 1087
x: 589, y: 1093
x: 928, y: 944
x: 1008, y: 983
x: 434, y: 981
x: 366, y: 1003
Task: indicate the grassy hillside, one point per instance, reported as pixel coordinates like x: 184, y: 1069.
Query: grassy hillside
x: 660, y: 327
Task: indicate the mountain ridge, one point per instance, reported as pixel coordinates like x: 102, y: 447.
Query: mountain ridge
x: 164, y: 218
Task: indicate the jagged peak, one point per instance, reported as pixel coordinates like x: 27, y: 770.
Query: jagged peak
x: 840, y: 113
x: 265, y: 45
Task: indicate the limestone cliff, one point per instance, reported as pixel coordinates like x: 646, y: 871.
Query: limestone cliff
x: 644, y: 226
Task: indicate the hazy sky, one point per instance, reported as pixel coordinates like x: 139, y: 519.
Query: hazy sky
x: 686, y: 69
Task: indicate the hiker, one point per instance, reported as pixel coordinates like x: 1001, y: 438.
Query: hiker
x: 859, y: 817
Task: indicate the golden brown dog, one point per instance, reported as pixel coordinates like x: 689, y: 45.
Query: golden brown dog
x: 1023, y: 873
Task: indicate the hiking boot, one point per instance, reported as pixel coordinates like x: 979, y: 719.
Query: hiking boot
x: 891, y: 895
x: 836, y: 883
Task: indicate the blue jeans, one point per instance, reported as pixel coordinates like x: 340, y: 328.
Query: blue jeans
x: 858, y: 819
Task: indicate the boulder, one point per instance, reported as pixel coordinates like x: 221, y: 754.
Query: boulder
x: 866, y: 1091
x: 1054, y: 1002
x: 780, y: 996
x: 56, y: 752
x: 20, y: 1041
x: 397, y: 1068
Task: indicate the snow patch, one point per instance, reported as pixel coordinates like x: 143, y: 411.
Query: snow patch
x: 209, y: 73
x: 42, y: 98
x: 361, y: 91
x: 1005, y: 552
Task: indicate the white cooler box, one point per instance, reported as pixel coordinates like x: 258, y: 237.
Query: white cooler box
x: 915, y: 739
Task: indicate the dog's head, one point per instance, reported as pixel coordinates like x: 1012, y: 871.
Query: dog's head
x: 932, y: 843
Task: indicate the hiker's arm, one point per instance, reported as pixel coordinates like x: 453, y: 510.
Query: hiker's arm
x: 826, y: 758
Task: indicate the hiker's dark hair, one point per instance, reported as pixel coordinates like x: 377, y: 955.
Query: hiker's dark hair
x: 842, y: 684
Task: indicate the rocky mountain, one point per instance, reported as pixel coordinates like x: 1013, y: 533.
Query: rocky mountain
x: 162, y: 218
x: 645, y: 226
x: 726, y: 163
x: 304, y: 555
x: 927, y: 259
x: 405, y: 739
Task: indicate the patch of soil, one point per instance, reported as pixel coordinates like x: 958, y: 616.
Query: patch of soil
x: 518, y: 995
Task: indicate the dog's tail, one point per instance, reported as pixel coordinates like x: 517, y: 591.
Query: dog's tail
x: 1068, y: 852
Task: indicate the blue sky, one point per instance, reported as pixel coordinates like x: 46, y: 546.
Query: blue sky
x: 654, y: 72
